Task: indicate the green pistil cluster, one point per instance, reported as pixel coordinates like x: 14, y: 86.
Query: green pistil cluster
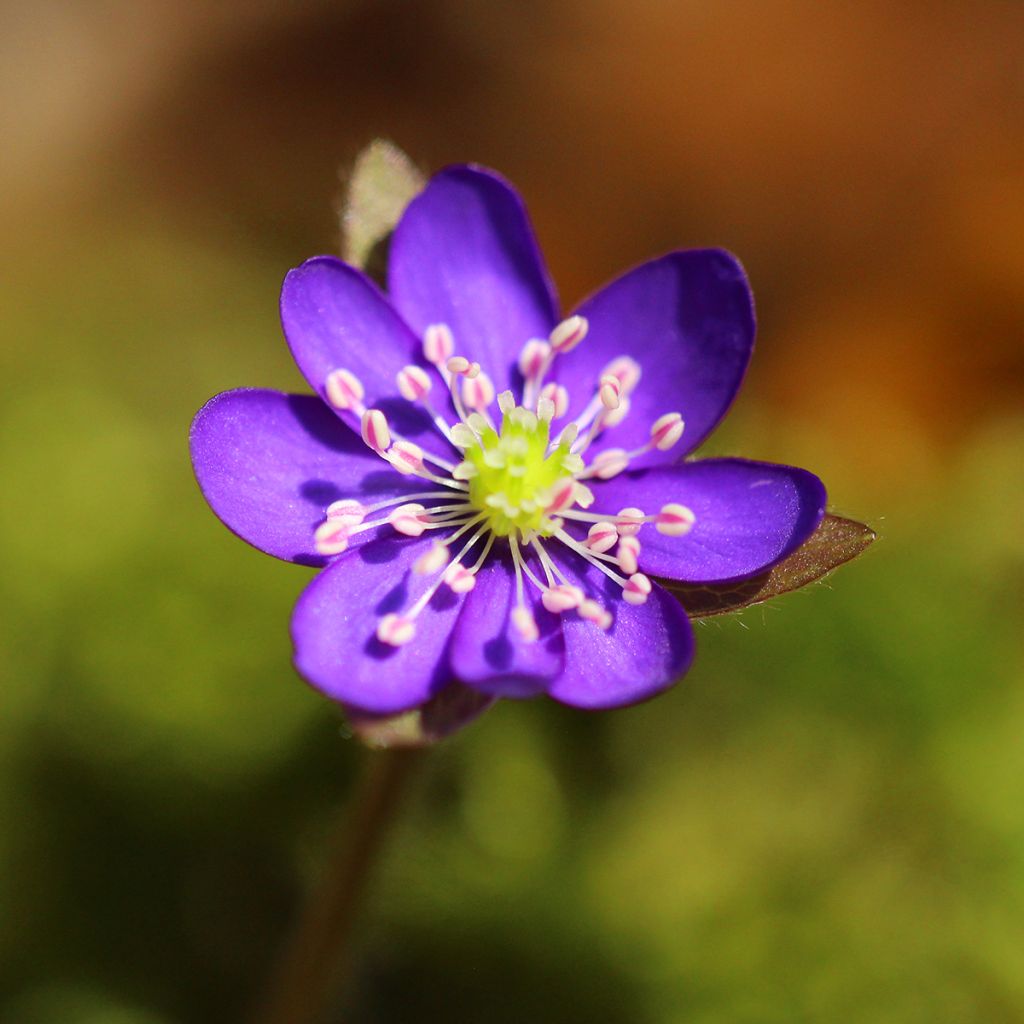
x: 516, y: 473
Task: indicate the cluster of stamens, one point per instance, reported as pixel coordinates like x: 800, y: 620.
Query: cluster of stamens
x: 509, y: 481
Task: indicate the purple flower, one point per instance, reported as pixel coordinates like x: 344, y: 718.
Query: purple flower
x: 491, y: 488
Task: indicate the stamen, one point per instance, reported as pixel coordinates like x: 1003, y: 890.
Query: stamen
x: 459, y: 579
x: 607, y: 464
x: 413, y: 383
x: 558, y: 395
x: 568, y: 334
x: 506, y: 402
x: 347, y: 511
x: 666, y: 431
x: 375, y: 430
x: 591, y: 611
x: 602, y: 537
x: 432, y: 560
x: 525, y: 624
x: 410, y: 519
x: 533, y: 359
x: 395, y: 630
x: 406, y: 457
x: 562, y: 598
x: 331, y: 537
x: 478, y: 392
x: 674, y: 520
x: 626, y: 371
x: 629, y: 520
x: 609, y: 391
x: 344, y: 390
x: 438, y: 344
x: 627, y: 554
x: 637, y: 589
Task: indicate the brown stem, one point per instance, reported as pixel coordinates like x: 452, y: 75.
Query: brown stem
x: 317, y: 957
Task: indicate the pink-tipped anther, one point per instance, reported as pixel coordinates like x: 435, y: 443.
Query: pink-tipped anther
x: 629, y: 521
x: 558, y: 396
x: 613, y: 417
x: 637, y: 589
x: 438, y: 344
x: 563, y: 495
x: 478, y: 392
x: 413, y: 383
x: 666, y: 431
x: 525, y: 624
x: 344, y: 390
x: 406, y: 457
x: 459, y: 578
x: 562, y: 598
x: 674, y: 520
x: 434, y: 559
x: 410, y: 519
x: 347, y: 511
x: 395, y: 630
x: 374, y: 428
x: 628, y: 554
x: 611, y: 462
x: 609, y: 392
x: 626, y: 371
x: 568, y: 334
x: 591, y: 611
x: 331, y: 537
x: 602, y: 537
x: 534, y: 358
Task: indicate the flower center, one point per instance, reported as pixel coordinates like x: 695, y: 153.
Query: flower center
x: 513, y: 474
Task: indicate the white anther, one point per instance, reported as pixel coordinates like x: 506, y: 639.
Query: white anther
x: 478, y: 392
x: 601, y: 537
x: 534, y: 357
x: 409, y: 519
x: 375, y: 430
x: 413, y: 383
x: 405, y: 456
x: 613, y: 417
x: 563, y: 494
x: 545, y: 410
x: 473, y: 372
x: 558, y: 395
x: 347, y: 511
x: 637, y: 589
x: 584, y: 496
x: 572, y: 463
x: 459, y: 578
x: 395, y: 630
x: 462, y: 436
x: 434, y: 559
x: 629, y: 520
x: 344, y: 389
x: 331, y: 537
x: 627, y: 554
x: 568, y: 434
x: 591, y: 611
x: 523, y: 418
x: 674, y: 520
x: 609, y: 394
x: 477, y: 422
x: 611, y: 462
x: 626, y: 371
x: 562, y: 598
x: 459, y: 365
x: 666, y: 431
x: 568, y: 334
x: 438, y: 344
x: 506, y: 402
x: 465, y: 471
x: 525, y: 623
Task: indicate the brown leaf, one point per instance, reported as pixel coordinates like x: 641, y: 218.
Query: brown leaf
x: 382, y: 182
x: 454, y: 707
x: 836, y: 541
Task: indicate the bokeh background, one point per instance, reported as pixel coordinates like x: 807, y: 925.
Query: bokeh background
x: 825, y: 822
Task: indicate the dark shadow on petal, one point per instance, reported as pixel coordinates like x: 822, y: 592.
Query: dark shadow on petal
x: 313, y: 561
x: 443, y: 599
x: 498, y: 652
x: 320, y: 492
x: 374, y: 648
x: 393, y: 601
x: 405, y: 418
x: 324, y: 425
x: 377, y: 552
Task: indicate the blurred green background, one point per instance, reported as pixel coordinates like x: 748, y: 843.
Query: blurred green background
x: 825, y: 822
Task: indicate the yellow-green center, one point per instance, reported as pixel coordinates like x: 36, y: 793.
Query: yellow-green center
x: 516, y: 473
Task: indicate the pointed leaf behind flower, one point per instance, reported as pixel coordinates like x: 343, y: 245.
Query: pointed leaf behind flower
x: 382, y: 182
x: 835, y: 542
x: 454, y: 707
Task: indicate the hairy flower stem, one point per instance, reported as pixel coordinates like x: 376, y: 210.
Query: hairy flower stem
x: 315, y: 961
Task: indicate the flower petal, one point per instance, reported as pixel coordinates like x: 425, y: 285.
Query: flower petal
x: 487, y: 651
x: 334, y: 317
x: 334, y: 629
x: 464, y: 254
x: 269, y: 464
x: 688, y: 319
x: 646, y: 650
x: 749, y: 515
